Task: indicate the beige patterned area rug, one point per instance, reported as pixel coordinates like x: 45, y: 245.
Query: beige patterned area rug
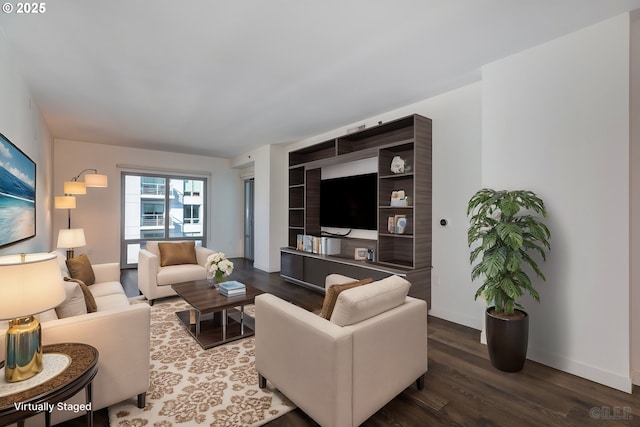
x: 195, y: 387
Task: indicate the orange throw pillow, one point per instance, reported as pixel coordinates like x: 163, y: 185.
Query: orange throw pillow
x: 331, y: 296
x: 177, y: 253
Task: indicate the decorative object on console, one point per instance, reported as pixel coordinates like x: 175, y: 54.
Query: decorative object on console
x: 31, y: 284
x: 71, y: 238
x: 17, y: 194
x: 74, y: 187
x: 397, y: 165
x: 219, y: 266
x: 361, y: 254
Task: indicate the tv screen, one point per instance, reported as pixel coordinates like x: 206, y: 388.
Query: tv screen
x: 349, y: 202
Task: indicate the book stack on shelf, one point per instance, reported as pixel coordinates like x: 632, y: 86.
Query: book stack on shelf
x: 232, y: 288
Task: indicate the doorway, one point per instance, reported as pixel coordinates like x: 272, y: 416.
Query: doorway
x: 248, y: 218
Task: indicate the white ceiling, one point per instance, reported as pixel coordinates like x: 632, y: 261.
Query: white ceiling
x: 221, y: 77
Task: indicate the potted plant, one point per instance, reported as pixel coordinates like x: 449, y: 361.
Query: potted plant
x: 507, y: 228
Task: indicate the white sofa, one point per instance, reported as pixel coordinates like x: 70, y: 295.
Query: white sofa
x: 155, y: 281
x: 343, y: 370
x: 119, y: 330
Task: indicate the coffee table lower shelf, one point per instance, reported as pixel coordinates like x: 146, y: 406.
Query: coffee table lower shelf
x: 212, y: 331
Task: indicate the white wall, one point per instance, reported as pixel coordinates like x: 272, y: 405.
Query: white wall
x: 556, y: 121
x: 22, y: 123
x: 98, y: 211
x: 270, y: 166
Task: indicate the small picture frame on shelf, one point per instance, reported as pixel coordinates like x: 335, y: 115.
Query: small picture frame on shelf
x: 400, y: 224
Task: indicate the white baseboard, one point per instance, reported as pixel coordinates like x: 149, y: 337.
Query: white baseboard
x: 469, y: 321
x: 592, y: 373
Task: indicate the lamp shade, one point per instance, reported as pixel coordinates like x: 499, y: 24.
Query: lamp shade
x: 29, y: 284
x: 75, y: 187
x: 65, y: 202
x: 71, y: 238
x: 95, y: 180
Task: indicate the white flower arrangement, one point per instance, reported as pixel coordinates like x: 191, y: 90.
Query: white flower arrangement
x: 219, y: 266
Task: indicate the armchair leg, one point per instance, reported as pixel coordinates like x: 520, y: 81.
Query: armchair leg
x: 142, y: 400
x: 151, y: 302
x: 262, y: 381
x: 420, y: 382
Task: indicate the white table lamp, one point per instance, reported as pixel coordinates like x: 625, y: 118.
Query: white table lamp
x: 29, y: 284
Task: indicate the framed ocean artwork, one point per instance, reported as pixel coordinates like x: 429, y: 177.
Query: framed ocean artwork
x: 17, y: 194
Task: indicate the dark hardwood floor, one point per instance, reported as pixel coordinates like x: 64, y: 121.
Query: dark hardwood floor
x: 461, y: 386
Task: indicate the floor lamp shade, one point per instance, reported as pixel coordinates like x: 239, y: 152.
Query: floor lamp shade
x: 65, y: 202
x: 95, y: 180
x: 75, y: 187
x: 29, y: 284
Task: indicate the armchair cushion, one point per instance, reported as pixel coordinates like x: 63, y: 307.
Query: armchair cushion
x: 357, y: 304
x: 80, y: 268
x: 177, y: 253
x: 332, y: 293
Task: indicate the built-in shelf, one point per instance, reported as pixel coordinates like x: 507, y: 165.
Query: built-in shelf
x: 409, y: 139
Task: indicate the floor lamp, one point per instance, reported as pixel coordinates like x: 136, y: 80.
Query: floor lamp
x: 74, y: 187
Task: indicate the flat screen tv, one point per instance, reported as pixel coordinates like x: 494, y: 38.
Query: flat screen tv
x: 349, y: 202
x: 17, y: 194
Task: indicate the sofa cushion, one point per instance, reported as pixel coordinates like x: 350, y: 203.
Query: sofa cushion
x: 74, y: 304
x: 106, y: 288
x: 112, y: 302
x: 332, y: 293
x: 80, y: 268
x: 62, y: 263
x: 177, y: 253
x: 357, y: 304
x: 89, y: 301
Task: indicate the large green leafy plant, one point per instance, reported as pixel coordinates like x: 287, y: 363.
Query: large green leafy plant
x: 505, y: 239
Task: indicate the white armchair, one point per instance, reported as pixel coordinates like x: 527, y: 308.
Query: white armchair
x: 341, y: 371
x: 154, y: 281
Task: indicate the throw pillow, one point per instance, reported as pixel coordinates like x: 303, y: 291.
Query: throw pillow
x: 356, y: 305
x: 331, y: 296
x: 80, y: 268
x: 177, y: 253
x: 89, y: 300
x: 74, y: 304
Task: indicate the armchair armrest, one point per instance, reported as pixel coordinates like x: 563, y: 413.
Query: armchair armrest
x: 147, y: 271
x: 108, y: 272
x: 202, y: 254
x: 292, y: 343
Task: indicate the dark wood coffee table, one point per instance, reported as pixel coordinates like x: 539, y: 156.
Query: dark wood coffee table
x: 215, y: 319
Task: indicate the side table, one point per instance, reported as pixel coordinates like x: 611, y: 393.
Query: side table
x: 78, y: 375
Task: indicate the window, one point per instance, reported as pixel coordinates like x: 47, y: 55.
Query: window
x: 159, y: 207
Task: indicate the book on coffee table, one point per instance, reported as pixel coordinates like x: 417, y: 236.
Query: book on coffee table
x: 232, y: 288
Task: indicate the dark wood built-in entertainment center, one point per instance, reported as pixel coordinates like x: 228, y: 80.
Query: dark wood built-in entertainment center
x: 407, y: 254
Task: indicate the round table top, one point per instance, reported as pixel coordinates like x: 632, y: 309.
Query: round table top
x: 80, y: 371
